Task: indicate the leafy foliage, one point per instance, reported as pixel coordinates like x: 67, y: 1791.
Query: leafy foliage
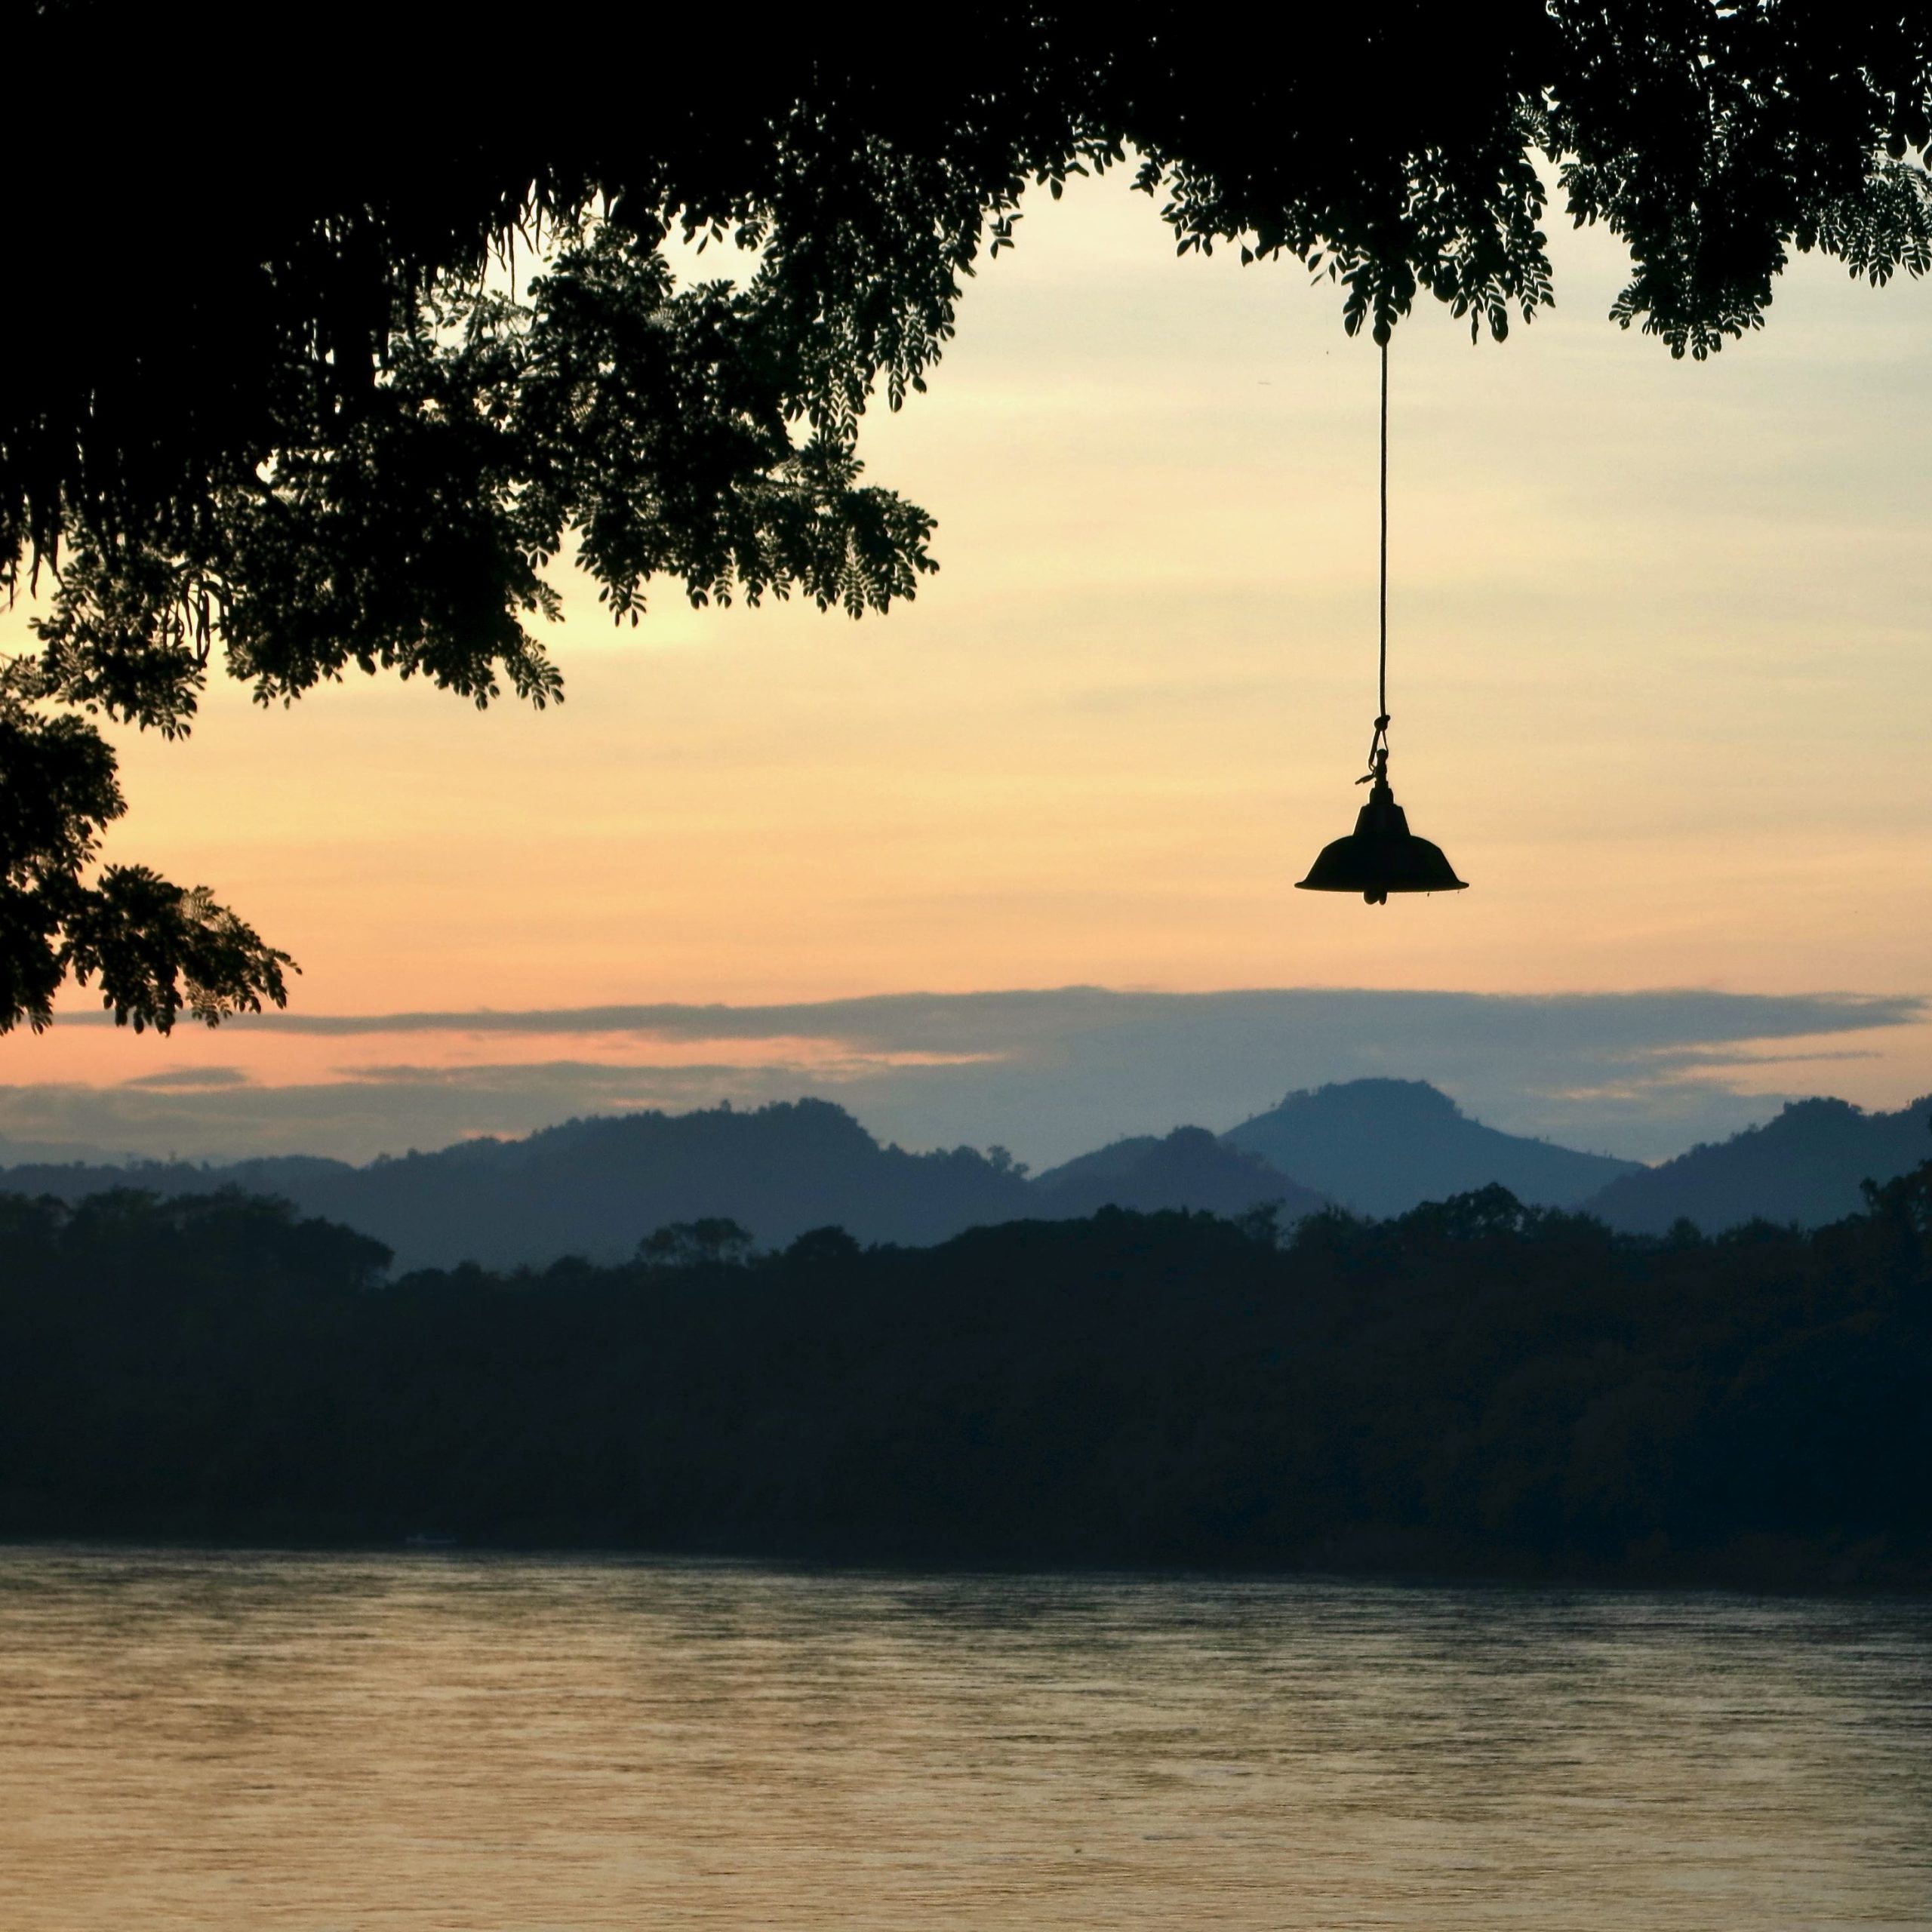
x: 154, y: 949
x: 295, y: 408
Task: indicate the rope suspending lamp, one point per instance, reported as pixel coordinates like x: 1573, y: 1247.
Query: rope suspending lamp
x: 1381, y: 855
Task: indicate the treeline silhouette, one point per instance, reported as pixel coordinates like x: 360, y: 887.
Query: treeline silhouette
x: 1475, y: 1386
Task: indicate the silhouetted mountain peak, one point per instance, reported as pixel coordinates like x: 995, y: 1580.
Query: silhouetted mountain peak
x: 1821, y: 1114
x: 822, y: 1126
x: 1383, y: 1101
x: 1382, y: 1145
x: 1189, y: 1167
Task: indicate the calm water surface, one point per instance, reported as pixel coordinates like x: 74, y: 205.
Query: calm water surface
x: 454, y: 1741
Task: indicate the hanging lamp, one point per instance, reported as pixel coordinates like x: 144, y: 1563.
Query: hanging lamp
x: 1381, y: 855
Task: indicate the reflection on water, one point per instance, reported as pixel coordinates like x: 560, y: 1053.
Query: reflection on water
x: 451, y: 1742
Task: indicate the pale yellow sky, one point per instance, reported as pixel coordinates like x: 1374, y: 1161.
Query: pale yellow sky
x: 1660, y: 680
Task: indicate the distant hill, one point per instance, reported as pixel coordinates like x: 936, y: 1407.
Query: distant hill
x: 1189, y: 1168
x: 1381, y: 1146
x: 1804, y: 1167
x: 594, y: 1187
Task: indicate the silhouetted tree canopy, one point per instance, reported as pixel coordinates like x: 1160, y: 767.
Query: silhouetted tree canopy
x: 323, y: 364
x: 1476, y: 1385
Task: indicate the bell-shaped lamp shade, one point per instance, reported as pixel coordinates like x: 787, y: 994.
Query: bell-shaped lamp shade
x: 1381, y: 856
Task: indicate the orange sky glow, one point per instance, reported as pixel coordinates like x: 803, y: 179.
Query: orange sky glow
x: 1659, y: 681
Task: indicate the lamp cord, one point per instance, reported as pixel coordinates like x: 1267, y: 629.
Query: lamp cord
x: 1378, y: 745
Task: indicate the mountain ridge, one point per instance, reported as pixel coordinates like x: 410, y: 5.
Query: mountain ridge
x: 595, y: 1186
x: 1804, y: 1165
x: 1379, y: 1146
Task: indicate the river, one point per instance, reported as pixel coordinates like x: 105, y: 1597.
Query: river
x: 441, y: 1740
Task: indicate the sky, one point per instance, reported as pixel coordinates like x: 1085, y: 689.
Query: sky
x: 1659, y: 680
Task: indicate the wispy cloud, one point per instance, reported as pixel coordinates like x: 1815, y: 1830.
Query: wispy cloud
x: 986, y: 1022
x: 193, y: 1077
x: 1046, y: 1072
